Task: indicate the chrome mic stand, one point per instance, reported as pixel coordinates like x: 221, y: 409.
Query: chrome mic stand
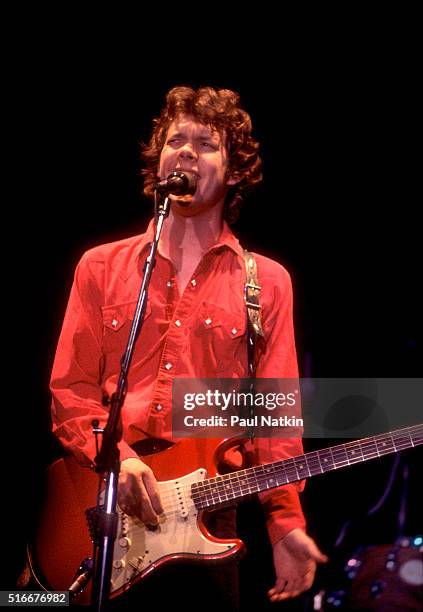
x: 108, y: 459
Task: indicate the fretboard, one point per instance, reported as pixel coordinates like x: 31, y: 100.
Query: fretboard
x: 232, y: 487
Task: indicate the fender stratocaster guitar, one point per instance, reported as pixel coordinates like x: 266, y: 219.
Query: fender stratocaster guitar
x: 189, y: 484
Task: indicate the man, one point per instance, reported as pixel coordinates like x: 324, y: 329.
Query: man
x: 195, y: 324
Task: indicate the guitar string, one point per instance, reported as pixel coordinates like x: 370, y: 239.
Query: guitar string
x: 260, y: 474
x: 290, y: 466
x: 175, y: 509
x: 208, y: 495
x: 254, y: 477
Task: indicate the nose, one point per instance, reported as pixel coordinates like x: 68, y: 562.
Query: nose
x: 187, y: 152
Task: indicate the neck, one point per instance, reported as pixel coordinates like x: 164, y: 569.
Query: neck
x: 232, y: 487
x: 186, y: 239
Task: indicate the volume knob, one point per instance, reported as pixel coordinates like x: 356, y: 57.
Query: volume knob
x: 125, y: 542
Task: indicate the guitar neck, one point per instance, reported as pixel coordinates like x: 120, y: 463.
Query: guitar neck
x: 235, y: 486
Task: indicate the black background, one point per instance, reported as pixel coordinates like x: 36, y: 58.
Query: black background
x: 338, y: 207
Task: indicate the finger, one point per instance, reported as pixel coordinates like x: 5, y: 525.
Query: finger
x: 125, y: 500
x: 134, y: 501
x: 317, y: 554
x: 129, y: 500
x: 281, y: 586
x: 153, y: 491
x: 284, y: 595
x: 148, y: 515
x: 277, y: 589
x: 288, y: 589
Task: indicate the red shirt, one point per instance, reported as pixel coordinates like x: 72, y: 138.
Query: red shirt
x: 199, y: 334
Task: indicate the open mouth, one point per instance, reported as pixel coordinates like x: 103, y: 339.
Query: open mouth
x: 183, y: 200
x: 192, y: 172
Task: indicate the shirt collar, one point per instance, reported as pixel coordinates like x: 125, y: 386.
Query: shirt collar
x: 227, y: 238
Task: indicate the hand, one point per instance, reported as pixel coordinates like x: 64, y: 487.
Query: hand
x: 138, y: 493
x: 294, y: 558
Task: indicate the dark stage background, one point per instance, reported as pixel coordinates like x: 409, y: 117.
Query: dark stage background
x: 337, y: 208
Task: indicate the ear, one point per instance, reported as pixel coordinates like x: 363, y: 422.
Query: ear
x: 233, y: 179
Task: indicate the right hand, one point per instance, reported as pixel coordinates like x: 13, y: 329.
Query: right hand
x: 138, y: 492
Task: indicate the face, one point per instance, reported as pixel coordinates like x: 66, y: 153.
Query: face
x: 198, y: 148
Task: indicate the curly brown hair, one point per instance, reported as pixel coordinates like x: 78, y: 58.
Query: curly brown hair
x: 219, y: 109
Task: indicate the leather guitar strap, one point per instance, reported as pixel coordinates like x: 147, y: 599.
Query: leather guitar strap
x: 254, y: 325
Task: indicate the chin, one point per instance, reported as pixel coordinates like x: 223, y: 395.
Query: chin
x: 185, y: 205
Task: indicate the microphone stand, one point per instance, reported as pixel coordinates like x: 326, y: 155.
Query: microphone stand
x: 108, y: 459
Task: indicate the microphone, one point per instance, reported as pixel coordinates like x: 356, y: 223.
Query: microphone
x: 178, y: 183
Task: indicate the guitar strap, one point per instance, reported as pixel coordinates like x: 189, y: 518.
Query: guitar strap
x: 252, y: 303
x: 254, y: 325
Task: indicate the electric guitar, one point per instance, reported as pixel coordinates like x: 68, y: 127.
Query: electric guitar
x: 189, y: 484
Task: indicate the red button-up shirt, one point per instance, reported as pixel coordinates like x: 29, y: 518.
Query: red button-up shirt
x: 200, y: 333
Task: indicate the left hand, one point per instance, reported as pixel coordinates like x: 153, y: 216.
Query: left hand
x: 295, y: 558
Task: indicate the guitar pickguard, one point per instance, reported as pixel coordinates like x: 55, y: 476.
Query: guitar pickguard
x: 139, y: 549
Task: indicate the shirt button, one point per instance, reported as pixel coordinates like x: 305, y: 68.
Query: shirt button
x: 168, y: 366
x: 114, y: 323
x: 208, y: 321
x: 193, y: 282
x: 178, y: 323
x: 169, y: 283
x: 159, y: 408
x: 234, y: 330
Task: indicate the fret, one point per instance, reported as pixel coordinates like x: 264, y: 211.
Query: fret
x: 220, y: 490
x: 281, y: 477
x: 212, y: 495
x: 262, y: 476
x: 417, y: 438
x: 228, y: 486
x: 207, y: 498
x: 369, y: 449
x: 326, y: 459
x: 302, y: 467
x: 385, y: 445
x: 269, y: 474
x: 401, y: 441
x: 340, y: 456
x: 236, y: 485
x: 313, y: 463
x: 253, y: 480
x: 243, y: 481
x: 354, y: 453
x: 280, y: 473
x: 291, y: 470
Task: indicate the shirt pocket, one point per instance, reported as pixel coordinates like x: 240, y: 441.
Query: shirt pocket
x: 117, y: 321
x: 220, y: 339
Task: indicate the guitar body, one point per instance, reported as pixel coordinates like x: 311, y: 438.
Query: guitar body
x: 63, y: 541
